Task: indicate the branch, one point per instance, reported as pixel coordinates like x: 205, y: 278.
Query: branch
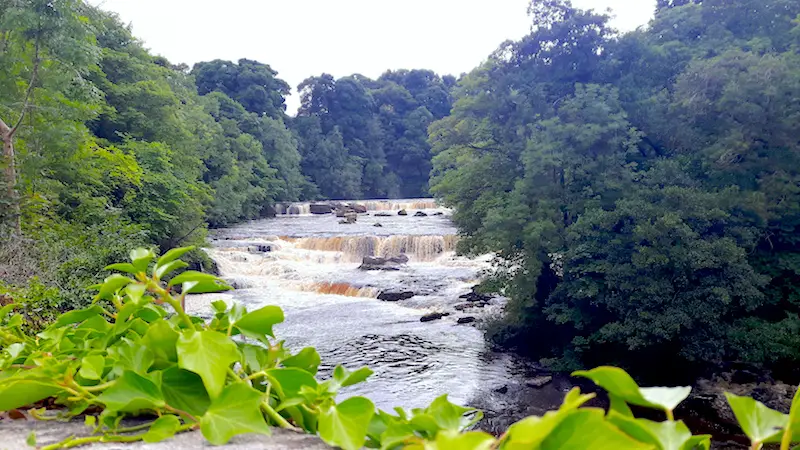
x: 28, y: 93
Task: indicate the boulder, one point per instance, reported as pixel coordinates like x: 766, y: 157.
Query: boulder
x: 376, y: 263
x: 361, y: 209
x: 350, y: 217
x: 431, y: 317
x: 420, y: 214
x: 340, y: 212
x: 382, y: 214
x: 402, y: 212
x: 259, y: 248
x: 463, y: 306
x: 468, y: 319
x: 320, y: 208
x: 538, y: 382
x: 476, y: 297
x: 395, y: 296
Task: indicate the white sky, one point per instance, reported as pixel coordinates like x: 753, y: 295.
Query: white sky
x: 301, y: 38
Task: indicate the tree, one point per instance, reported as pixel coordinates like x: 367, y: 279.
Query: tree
x: 253, y: 84
x: 39, y: 42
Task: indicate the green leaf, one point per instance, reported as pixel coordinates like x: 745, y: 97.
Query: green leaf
x: 192, y: 275
x: 173, y: 254
x: 132, y: 393
x: 587, y: 429
x: 16, y: 393
x: 6, y: 310
x: 163, y: 428
x: 123, y: 267
x: 345, y: 425
x: 92, y: 367
x: 256, y: 324
x: 699, y: 442
x: 162, y: 340
x: 132, y: 355
x: 169, y: 267
x: 141, y: 258
x: 204, y: 287
x: 668, y: 398
x: 31, y: 439
x: 208, y: 354
x: 111, y: 285
x: 219, y: 306
x: 448, y: 416
x: 618, y: 383
x: 77, y: 316
x: 184, y: 390
x: 307, y: 359
x: 237, y: 410
x: 474, y: 440
x: 288, y: 382
x: 664, y: 435
x: 619, y: 406
x: 794, y: 416
x: 760, y: 423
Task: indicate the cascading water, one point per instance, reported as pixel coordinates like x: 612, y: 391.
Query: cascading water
x: 309, y: 266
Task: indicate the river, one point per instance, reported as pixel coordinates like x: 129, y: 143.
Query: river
x: 308, y: 265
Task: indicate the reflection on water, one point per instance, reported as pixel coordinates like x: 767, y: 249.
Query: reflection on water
x: 308, y: 265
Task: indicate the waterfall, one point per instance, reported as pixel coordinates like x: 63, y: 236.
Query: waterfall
x: 304, y: 208
x: 345, y: 289
x: 354, y: 248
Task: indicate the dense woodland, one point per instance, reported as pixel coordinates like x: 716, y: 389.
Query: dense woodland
x: 641, y: 190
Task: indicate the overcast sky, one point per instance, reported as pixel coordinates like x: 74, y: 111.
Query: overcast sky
x: 301, y: 38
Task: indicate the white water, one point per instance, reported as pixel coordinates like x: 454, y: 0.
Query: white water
x: 312, y: 273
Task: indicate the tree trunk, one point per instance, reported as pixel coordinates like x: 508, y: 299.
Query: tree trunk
x: 10, y: 173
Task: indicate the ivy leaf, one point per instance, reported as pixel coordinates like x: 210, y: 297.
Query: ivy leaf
x: 172, y: 255
x: 193, y: 275
x: 235, y: 411
x: 92, y: 367
x: 123, y: 267
x: 111, y: 285
x: 16, y: 393
x: 161, y: 339
x: 6, y: 310
x: 132, y: 393
x: 256, y: 324
x: 448, y: 416
x: 345, y: 425
x: 204, y: 287
x: 208, y: 354
x: 667, y: 435
x: 587, y: 428
x: 163, y: 428
x: 141, y: 258
x: 759, y: 422
x: 77, y: 316
x: 185, y: 390
x: 288, y: 382
x: 169, y: 267
x: 474, y: 440
x: 618, y: 383
x: 307, y: 359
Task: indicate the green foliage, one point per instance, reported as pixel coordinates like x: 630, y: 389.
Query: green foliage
x: 639, y: 190
x: 146, y: 356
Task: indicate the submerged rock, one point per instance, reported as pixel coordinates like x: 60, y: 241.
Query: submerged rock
x: 476, y: 297
x: 420, y: 214
x: 468, y: 319
x: 382, y: 214
x: 395, y: 296
x: 438, y: 213
x: 431, y: 317
x: 376, y: 263
x: 378, y: 224
x: 320, y: 208
x: 538, y: 382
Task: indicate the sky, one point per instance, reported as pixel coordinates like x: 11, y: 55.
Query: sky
x: 302, y: 38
